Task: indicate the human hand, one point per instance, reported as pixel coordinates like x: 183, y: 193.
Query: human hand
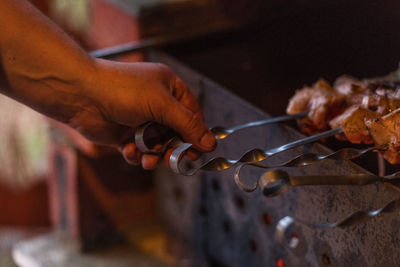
x: 123, y: 96
x: 40, y: 66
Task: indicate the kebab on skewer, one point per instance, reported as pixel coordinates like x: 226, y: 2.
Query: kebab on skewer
x: 368, y: 111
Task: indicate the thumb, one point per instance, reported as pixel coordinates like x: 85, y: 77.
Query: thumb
x: 189, y: 125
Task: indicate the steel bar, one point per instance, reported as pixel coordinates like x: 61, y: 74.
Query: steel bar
x: 276, y: 182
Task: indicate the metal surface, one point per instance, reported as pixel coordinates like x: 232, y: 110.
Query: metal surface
x: 276, y: 182
x: 285, y: 225
x: 252, y: 156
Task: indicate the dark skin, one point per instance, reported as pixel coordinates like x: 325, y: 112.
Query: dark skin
x: 103, y: 100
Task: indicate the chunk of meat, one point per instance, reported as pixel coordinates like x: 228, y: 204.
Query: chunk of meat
x: 368, y: 111
x: 390, y: 98
x: 368, y: 94
x: 321, y: 101
x: 353, y: 123
x: 347, y: 85
x: 352, y: 89
x: 386, y: 131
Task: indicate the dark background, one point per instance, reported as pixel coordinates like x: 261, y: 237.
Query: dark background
x: 291, y: 44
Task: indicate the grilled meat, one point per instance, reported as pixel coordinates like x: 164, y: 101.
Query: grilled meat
x: 322, y: 102
x: 386, y: 131
x: 352, y: 122
x: 368, y: 112
x: 347, y: 86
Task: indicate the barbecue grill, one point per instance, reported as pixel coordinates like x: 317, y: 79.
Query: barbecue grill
x: 211, y: 221
x: 228, y: 227
x: 219, y: 224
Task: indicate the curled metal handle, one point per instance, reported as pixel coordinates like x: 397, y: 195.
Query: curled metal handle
x: 252, y: 156
x: 139, y: 137
x: 218, y: 132
x: 157, y: 134
x: 285, y: 225
x: 299, y: 161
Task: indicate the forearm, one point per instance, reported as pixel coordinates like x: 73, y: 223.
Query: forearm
x: 105, y: 101
x: 40, y: 65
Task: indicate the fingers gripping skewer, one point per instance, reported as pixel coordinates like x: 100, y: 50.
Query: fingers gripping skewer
x: 218, y: 132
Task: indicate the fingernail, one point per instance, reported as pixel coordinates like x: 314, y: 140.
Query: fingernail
x: 207, y: 140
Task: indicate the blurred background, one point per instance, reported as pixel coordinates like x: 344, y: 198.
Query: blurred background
x: 55, y: 185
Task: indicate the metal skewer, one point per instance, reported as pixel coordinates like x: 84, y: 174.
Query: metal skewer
x: 276, y: 182
x: 222, y: 133
x: 163, y: 40
x: 303, y: 160
x: 252, y: 156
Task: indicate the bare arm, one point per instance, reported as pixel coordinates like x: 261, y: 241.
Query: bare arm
x: 43, y: 68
